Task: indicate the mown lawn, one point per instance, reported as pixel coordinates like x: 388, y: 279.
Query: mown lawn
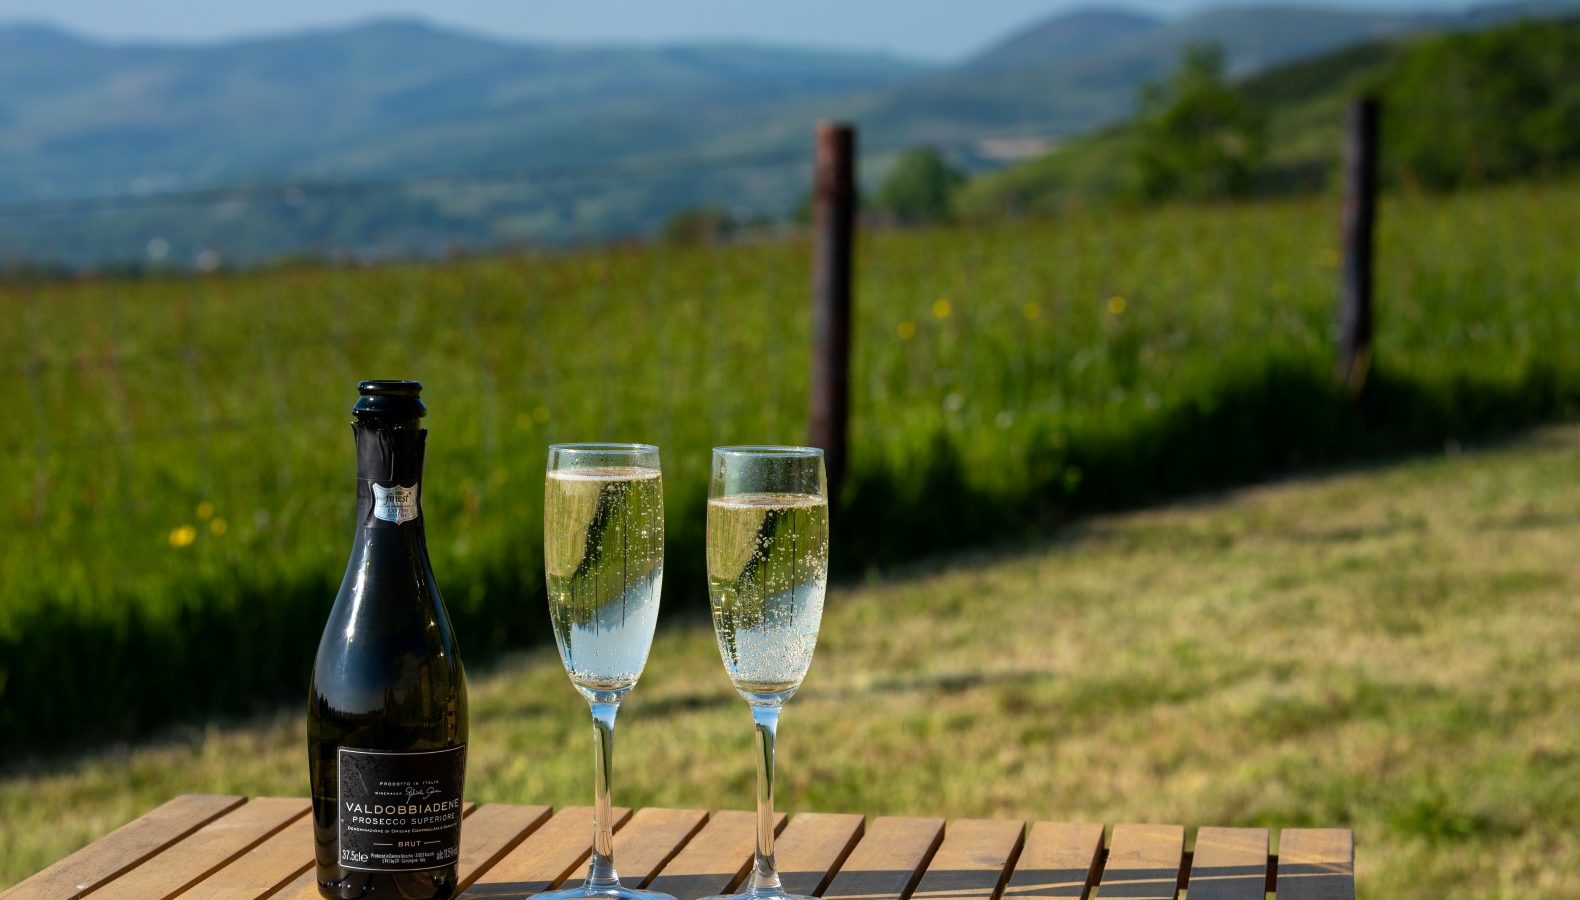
x: 1392, y: 649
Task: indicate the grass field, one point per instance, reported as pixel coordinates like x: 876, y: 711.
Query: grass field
x: 179, y: 492
x: 1390, y: 649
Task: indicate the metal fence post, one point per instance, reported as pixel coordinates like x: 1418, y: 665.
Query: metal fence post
x: 834, y: 227
x: 1360, y: 214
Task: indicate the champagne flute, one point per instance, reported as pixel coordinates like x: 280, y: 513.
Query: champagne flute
x: 767, y: 546
x: 603, y: 556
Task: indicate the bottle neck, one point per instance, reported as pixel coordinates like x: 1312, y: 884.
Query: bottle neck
x: 389, y: 473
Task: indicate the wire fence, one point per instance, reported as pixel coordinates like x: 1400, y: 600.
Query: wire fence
x: 181, y: 478
x: 146, y: 396
x: 108, y: 367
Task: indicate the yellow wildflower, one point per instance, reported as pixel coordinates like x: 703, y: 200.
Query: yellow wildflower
x: 941, y: 308
x: 205, y: 510
x: 1116, y: 305
x: 182, y: 536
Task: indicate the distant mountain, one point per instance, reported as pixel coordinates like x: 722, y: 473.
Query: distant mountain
x: 393, y: 99
x: 1077, y: 70
x: 1068, y: 36
x: 387, y: 97
x: 1498, y: 12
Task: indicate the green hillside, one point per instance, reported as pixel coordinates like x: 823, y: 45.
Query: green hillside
x: 1460, y: 108
x: 180, y: 484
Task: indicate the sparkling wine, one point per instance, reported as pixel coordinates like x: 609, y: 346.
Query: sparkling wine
x: 767, y: 573
x: 603, y: 543
x: 386, y: 719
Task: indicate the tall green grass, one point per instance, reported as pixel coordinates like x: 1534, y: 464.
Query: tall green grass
x: 181, y: 476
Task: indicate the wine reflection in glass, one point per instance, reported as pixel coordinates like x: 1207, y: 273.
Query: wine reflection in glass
x: 603, y: 555
x: 767, y: 546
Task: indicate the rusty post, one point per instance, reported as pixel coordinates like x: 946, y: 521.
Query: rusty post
x: 834, y: 227
x: 1360, y: 214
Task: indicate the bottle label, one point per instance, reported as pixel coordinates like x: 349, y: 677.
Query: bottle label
x: 400, y: 812
x: 396, y: 503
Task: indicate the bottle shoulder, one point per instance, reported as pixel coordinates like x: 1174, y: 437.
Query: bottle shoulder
x: 388, y: 651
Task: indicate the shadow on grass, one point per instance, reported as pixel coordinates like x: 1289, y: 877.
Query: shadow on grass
x: 1280, y: 420
x: 233, y: 647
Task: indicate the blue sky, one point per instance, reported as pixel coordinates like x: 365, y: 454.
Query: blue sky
x: 934, y: 29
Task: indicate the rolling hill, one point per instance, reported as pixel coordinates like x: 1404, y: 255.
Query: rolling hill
x: 388, y: 97
x: 1080, y: 70
x: 330, y: 127
x: 1065, y: 36
x: 1479, y: 99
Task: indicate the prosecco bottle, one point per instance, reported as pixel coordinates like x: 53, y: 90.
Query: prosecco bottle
x: 386, y: 719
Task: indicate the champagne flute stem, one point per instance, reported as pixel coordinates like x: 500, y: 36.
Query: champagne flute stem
x: 601, y: 869
x: 765, y: 877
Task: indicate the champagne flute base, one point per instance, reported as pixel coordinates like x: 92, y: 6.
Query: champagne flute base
x: 765, y: 894
x: 614, y: 891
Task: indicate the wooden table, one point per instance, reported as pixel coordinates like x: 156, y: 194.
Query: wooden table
x: 227, y: 848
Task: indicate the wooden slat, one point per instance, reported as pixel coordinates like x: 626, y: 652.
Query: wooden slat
x: 305, y: 885
x: 547, y: 857
x: 1229, y: 864
x: 204, y: 851
x: 714, y: 860
x: 811, y: 848
x: 1143, y: 863
x: 972, y: 861
x: 1058, y: 862
x: 888, y: 861
x: 651, y: 839
x: 1316, y: 864
x: 490, y: 832
x: 263, y: 869
x: 124, y: 847
x: 224, y: 848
